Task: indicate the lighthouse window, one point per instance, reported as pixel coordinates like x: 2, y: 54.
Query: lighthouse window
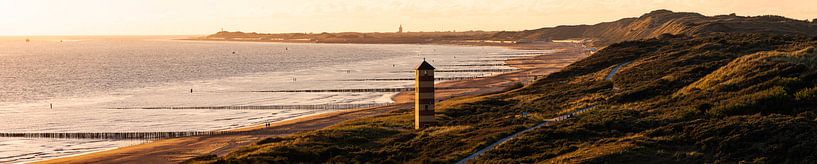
x: 425, y: 72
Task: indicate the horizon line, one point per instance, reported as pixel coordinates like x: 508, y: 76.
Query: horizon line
x: 35, y: 35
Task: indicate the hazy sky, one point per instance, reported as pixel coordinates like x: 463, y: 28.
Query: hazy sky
x: 167, y: 17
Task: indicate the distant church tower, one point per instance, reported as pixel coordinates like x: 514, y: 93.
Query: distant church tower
x: 400, y: 29
x: 424, y: 96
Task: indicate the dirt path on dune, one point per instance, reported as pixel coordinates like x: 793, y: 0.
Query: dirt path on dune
x: 176, y: 150
x: 544, y: 123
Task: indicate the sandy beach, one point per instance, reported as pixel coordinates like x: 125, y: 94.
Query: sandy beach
x: 175, y: 150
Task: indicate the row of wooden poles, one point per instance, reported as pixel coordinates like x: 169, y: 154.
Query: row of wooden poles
x: 469, y: 70
x: 162, y: 135
x: 480, y: 70
x: 439, y: 78
x: 485, y: 60
x: 508, y: 56
x: 525, y: 53
x: 465, y: 65
x: 277, y: 107
x: 412, y: 79
x: 493, y: 64
x: 363, y: 89
x: 143, y: 135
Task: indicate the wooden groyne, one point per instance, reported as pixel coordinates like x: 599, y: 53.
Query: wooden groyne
x: 527, y: 53
x: 467, y: 70
x: 508, y: 56
x: 144, y: 135
x: 491, y: 64
x: 474, y: 65
x: 479, y: 70
x: 363, y: 90
x: 272, y: 107
x: 412, y: 79
x: 500, y: 60
x: 440, y: 79
x: 484, y: 60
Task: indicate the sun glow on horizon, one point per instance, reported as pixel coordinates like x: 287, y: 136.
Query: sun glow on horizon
x: 186, y: 17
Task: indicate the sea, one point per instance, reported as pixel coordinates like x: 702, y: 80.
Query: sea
x: 133, y: 84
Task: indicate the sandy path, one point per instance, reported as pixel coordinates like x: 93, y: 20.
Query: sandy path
x: 614, y: 71
x: 176, y: 150
x: 545, y: 122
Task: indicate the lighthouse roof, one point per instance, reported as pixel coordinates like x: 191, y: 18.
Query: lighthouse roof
x: 425, y: 66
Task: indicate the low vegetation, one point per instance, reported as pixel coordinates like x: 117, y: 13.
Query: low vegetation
x: 649, y: 25
x: 719, y: 98
x: 723, y: 97
x: 655, y: 23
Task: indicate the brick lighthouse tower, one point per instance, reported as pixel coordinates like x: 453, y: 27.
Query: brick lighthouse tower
x: 424, y: 96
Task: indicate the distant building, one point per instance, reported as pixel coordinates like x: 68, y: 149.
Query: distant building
x: 400, y: 29
x: 424, y: 96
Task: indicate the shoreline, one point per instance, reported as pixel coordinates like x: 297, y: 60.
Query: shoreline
x: 169, y: 151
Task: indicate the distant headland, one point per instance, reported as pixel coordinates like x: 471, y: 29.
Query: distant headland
x: 437, y: 37
x: 649, y: 25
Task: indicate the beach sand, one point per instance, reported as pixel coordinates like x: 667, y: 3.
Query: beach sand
x: 176, y: 150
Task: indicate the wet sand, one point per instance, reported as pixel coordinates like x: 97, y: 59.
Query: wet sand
x: 176, y: 150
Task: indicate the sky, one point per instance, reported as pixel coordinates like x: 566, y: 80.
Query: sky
x: 198, y: 17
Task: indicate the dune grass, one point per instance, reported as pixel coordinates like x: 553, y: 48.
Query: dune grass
x: 720, y: 98
x: 715, y: 98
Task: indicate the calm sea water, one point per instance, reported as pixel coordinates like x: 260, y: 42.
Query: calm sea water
x: 87, y: 78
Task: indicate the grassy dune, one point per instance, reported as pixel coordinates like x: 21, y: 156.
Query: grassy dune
x: 388, y: 138
x: 649, y: 25
x: 715, y: 98
x: 660, y: 22
x: 719, y: 98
